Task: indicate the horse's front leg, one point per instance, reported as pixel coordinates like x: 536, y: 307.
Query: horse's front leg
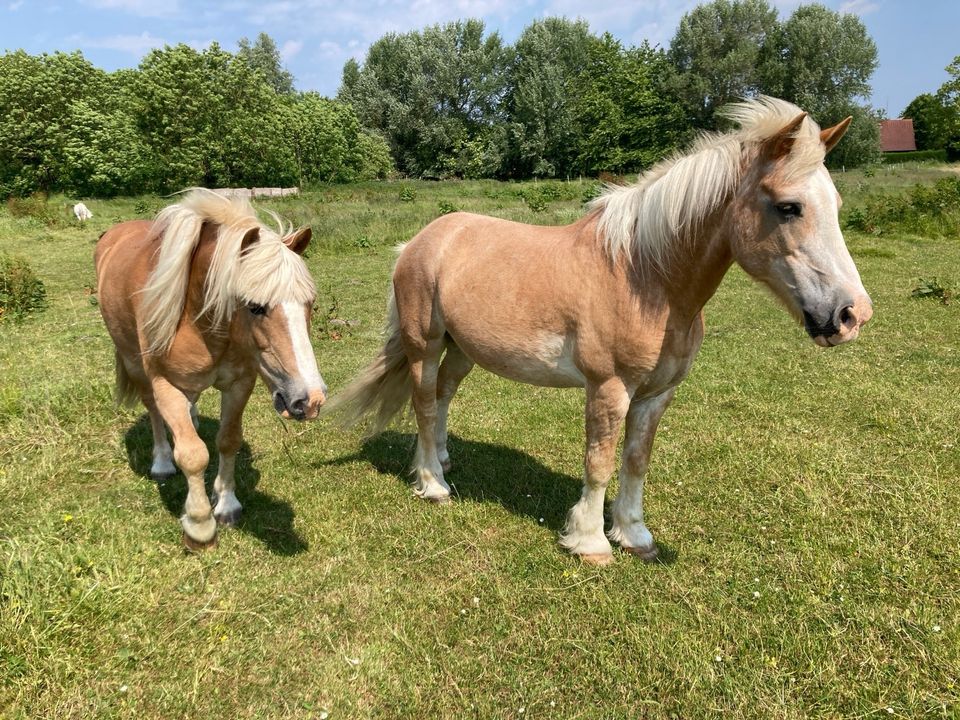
x: 628, y: 529
x: 607, y: 404
x: 233, y: 400
x: 191, y: 456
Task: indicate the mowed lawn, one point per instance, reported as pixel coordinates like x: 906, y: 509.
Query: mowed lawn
x: 805, y: 502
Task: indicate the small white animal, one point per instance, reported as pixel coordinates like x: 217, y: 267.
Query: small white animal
x: 82, y: 212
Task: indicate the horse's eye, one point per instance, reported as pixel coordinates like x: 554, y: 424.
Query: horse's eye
x: 257, y: 309
x: 789, y: 209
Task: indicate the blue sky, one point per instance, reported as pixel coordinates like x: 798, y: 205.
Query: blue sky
x: 916, y: 40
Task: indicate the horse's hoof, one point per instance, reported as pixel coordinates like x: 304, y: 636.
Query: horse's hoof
x: 229, y: 519
x: 161, y: 477
x: 196, y: 546
x: 598, y: 559
x: 440, y: 500
x: 647, y: 554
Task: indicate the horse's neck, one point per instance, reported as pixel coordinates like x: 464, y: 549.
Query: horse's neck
x: 695, y: 271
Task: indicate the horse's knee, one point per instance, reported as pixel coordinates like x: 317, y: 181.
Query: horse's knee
x: 191, y: 457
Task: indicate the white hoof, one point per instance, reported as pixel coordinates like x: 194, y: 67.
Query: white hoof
x: 201, y: 532
x: 162, y: 468
x: 587, y: 546
x: 428, y: 486
x: 227, y: 509
x: 631, y: 536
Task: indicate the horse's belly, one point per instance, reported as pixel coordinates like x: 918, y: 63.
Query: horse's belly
x: 539, y: 360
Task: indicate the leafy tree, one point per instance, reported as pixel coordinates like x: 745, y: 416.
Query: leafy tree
x: 103, y: 154
x: 821, y: 60
x: 211, y: 119
x: 861, y: 143
x: 628, y: 119
x: 36, y: 93
x: 264, y: 57
x: 718, y: 51
x: 541, y: 103
x: 329, y: 145
x: 949, y: 95
x: 933, y: 121
x: 428, y: 93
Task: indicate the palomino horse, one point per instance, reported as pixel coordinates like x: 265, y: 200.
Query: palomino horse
x: 206, y: 295
x: 614, y: 302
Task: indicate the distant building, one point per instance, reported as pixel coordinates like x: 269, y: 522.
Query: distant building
x: 897, y: 136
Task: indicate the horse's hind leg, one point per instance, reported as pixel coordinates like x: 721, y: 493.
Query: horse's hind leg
x: 191, y: 456
x: 453, y: 370
x: 607, y: 404
x: 233, y: 400
x: 162, y: 467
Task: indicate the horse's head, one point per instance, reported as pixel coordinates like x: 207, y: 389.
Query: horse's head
x: 787, y: 235
x: 278, y: 334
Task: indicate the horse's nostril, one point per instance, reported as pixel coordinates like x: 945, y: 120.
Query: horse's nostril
x: 299, y: 407
x: 846, y: 315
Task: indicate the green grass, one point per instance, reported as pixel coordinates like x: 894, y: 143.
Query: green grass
x: 805, y: 502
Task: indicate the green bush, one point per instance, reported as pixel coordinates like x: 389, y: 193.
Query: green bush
x: 915, y: 156
x: 446, y: 207
x: 37, y: 207
x: 932, y: 210
x: 21, y: 291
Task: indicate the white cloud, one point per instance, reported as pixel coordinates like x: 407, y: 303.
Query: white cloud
x: 290, y: 49
x: 14, y: 6
x: 859, y: 7
x: 138, y: 45
x: 141, y: 8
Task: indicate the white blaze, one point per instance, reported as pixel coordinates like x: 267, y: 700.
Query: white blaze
x: 302, y: 349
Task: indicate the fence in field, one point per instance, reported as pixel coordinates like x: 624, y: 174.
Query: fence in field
x: 258, y: 192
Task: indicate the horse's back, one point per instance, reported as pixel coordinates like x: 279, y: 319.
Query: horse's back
x: 120, y: 246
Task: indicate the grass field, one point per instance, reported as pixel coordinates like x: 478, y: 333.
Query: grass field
x: 805, y: 502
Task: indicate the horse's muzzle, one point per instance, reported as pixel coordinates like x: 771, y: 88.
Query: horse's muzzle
x: 840, y: 325
x: 300, y: 405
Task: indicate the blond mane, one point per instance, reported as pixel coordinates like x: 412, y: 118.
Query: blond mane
x: 647, y: 220
x: 266, y: 272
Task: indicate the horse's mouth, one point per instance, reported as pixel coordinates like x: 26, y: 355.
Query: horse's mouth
x: 280, y: 405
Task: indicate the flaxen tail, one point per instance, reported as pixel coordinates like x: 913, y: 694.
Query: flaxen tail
x: 126, y: 392
x: 382, y: 389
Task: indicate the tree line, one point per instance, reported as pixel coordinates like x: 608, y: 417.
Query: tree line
x: 183, y: 117
x: 936, y: 116
x: 450, y: 100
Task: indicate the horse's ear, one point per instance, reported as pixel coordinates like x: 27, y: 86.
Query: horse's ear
x: 831, y: 136
x: 781, y: 143
x: 251, y: 236
x: 299, y: 240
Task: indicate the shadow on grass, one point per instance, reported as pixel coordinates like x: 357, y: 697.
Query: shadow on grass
x: 267, y: 518
x: 484, y: 472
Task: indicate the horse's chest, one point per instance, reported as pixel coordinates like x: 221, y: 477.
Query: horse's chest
x: 655, y: 364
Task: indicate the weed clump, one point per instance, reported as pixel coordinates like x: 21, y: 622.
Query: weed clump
x: 934, y: 289
x: 21, y: 291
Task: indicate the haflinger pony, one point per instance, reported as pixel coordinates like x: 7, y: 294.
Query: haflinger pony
x: 205, y: 295
x: 614, y: 302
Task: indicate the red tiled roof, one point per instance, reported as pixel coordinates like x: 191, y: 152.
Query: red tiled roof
x: 897, y: 136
